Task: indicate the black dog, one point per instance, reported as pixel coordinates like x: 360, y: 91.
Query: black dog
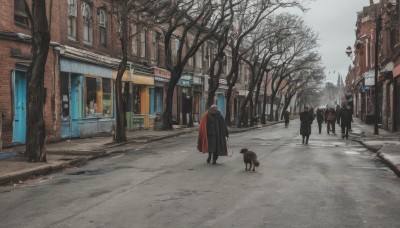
x: 249, y: 157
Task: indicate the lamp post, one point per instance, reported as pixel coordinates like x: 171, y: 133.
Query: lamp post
x: 378, y: 20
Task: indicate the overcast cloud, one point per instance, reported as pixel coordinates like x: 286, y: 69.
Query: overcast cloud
x: 334, y: 21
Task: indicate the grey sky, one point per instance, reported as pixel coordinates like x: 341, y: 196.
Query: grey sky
x: 334, y: 21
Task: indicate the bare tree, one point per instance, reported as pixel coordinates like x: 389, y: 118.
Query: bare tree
x: 124, y: 11
x: 298, y: 55
x: 191, y: 23
x: 251, y: 14
x: 36, y: 130
x: 302, y: 80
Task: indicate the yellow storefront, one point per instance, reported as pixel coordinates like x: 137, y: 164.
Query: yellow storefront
x: 137, y: 97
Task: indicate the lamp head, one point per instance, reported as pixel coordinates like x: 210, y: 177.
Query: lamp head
x: 348, y: 51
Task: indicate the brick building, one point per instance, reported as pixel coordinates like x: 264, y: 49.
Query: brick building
x: 360, y: 78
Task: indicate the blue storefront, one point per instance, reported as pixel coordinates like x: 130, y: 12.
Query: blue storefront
x: 86, y: 97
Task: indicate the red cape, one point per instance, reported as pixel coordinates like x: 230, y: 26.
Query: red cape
x: 202, y: 141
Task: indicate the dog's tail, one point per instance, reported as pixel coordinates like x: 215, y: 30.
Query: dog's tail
x: 256, y: 163
x: 244, y: 150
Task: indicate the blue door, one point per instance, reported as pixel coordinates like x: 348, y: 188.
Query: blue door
x: 19, y: 126
x: 76, y: 104
x: 221, y: 103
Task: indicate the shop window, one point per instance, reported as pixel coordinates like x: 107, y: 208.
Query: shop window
x: 87, y: 12
x: 136, y: 99
x: 64, y: 93
x: 72, y: 14
x: 20, y: 15
x: 107, y: 97
x: 102, y: 23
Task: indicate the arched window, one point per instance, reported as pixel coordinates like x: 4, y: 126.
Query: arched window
x: 72, y: 14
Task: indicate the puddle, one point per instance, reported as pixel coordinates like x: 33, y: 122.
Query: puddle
x: 349, y: 152
x: 90, y: 172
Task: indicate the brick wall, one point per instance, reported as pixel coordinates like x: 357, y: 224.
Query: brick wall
x: 9, y: 63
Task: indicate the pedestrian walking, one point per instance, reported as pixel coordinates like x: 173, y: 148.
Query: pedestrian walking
x: 320, y: 119
x: 213, y: 134
x: 338, y: 109
x: 345, y: 121
x: 331, y: 119
x: 286, y: 116
x: 306, y: 119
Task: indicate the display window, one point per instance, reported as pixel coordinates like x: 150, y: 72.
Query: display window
x: 98, y: 97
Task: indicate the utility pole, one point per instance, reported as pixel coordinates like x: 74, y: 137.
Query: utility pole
x: 378, y: 20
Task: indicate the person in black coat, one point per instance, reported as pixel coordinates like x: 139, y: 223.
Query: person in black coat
x: 217, y: 132
x: 320, y: 118
x: 306, y: 119
x: 345, y: 121
x: 286, y: 116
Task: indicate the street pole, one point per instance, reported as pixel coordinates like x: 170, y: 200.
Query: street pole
x: 378, y: 20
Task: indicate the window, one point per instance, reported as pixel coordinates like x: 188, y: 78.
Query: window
x: 72, y: 14
x: 107, y: 97
x: 102, y: 23
x: 98, y: 97
x: 154, y: 50
x: 143, y: 43
x: 64, y: 93
x: 199, y: 60
x: 87, y: 23
x: 190, y: 61
x: 20, y: 15
x: 134, y: 40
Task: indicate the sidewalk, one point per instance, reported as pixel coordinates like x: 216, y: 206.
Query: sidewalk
x: 386, y: 145
x: 64, y: 154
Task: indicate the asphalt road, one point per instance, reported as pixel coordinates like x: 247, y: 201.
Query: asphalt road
x: 329, y: 183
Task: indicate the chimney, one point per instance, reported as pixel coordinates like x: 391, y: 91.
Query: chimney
x: 371, y: 2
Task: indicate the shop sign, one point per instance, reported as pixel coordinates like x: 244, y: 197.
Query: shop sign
x: 186, y: 80
x: 369, y: 78
x: 161, y: 79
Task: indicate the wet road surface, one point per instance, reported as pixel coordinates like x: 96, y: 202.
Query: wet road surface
x: 329, y: 183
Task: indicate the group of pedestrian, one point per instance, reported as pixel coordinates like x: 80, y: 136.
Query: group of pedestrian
x: 329, y: 116
x: 213, y: 131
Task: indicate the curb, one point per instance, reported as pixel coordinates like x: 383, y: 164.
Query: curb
x: 381, y: 156
x: 25, y: 174
x: 389, y: 163
x: 44, y: 170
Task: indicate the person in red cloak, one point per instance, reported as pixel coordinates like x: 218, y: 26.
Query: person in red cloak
x: 212, y: 134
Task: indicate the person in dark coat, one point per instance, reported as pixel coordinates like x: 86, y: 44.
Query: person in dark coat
x: 286, y: 116
x: 345, y: 121
x: 306, y: 119
x: 331, y: 119
x: 212, y: 135
x: 320, y: 118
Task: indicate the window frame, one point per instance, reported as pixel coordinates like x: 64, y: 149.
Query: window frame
x: 103, y: 27
x: 19, y: 13
x: 87, y: 25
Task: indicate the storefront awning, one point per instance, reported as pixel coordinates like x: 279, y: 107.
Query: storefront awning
x: 79, y: 67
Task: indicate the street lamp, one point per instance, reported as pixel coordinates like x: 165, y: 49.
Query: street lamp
x: 349, y: 51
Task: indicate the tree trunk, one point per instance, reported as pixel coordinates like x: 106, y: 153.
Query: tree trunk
x: 120, y: 134
x: 271, y: 110
x: 36, y: 130
x: 263, y: 118
x: 167, y: 116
